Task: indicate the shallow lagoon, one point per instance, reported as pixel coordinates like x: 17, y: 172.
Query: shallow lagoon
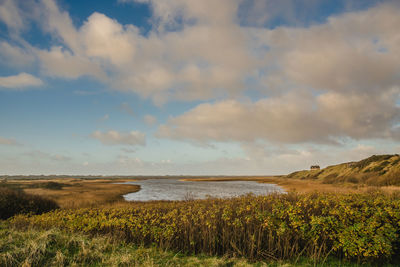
x: 174, y: 189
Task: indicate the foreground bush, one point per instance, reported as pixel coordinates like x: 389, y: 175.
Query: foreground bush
x: 14, y: 202
x: 362, y: 227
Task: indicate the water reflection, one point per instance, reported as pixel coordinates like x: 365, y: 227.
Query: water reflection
x: 173, y: 189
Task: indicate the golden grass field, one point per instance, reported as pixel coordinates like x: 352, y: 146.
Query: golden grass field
x: 79, y: 192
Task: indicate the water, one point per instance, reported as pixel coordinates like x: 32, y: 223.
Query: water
x: 173, y: 189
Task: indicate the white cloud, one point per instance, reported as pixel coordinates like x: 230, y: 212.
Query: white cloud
x: 357, y: 52
x: 15, y: 56
x: 163, y: 65
x: 209, y: 54
x: 10, y: 14
x: 17, y: 15
x: 60, y: 24
x: 107, y: 39
x: 20, y: 81
x: 330, y: 82
x: 292, y: 118
x: 325, y: 82
x: 120, y: 138
x: 59, y: 62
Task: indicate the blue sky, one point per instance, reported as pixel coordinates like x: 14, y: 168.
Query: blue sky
x: 143, y: 87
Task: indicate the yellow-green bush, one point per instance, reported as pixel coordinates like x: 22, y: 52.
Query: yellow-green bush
x: 365, y: 227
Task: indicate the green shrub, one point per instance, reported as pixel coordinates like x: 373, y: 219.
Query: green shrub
x: 14, y: 202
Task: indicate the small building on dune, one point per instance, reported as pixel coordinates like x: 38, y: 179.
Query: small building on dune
x: 315, y: 167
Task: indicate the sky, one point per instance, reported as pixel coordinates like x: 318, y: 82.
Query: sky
x: 189, y: 87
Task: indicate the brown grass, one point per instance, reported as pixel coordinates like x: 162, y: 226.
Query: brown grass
x: 80, y: 193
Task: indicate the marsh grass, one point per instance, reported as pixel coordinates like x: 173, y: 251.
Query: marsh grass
x: 357, y: 227
x: 59, y: 248
x: 74, y: 193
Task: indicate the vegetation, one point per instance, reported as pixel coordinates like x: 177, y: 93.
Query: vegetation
x: 14, y: 202
x: 377, y: 170
x: 59, y: 248
x: 49, y: 185
x: 360, y: 227
x: 94, y: 227
x: 72, y: 193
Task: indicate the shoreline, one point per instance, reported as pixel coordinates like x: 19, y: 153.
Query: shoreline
x: 96, y: 192
x: 303, y: 185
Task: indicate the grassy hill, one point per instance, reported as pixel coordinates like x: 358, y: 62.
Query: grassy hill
x: 379, y: 170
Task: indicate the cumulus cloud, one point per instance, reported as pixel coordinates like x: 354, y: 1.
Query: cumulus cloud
x: 197, y: 50
x: 20, y: 81
x: 292, y: 118
x: 59, y: 62
x: 332, y: 80
x: 17, y: 15
x: 10, y: 14
x: 106, y: 39
x: 120, y: 138
x: 15, y: 56
x: 357, y: 51
x: 163, y: 65
x: 182, y: 64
